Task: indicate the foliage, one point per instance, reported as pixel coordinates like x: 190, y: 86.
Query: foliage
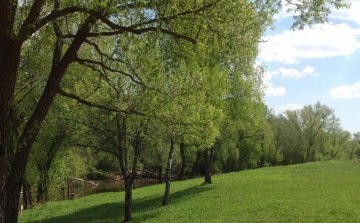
x: 309, y: 134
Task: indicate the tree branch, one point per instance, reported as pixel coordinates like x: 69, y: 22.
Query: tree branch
x: 103, y: 75
x: 33, y: 15
x: 92, y: 104
x: 104, y: 66
x: 102, y: 54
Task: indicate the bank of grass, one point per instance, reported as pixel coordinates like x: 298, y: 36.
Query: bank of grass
x: 313, y: 192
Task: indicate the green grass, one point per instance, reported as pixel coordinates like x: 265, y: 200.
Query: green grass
x: 313, y: 192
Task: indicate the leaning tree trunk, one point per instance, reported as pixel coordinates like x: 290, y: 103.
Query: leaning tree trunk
x: 165, y: 200
x: 207, y: 166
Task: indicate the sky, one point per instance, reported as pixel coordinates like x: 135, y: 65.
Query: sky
x: 321, y: 63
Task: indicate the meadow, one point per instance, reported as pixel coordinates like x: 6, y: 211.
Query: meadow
x: 326, y: 191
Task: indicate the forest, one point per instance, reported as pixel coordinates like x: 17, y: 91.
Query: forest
x: 126, y: 90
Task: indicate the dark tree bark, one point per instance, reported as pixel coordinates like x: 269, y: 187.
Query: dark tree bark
x: 207, y: 166
x: 9, y: 62
x: 166, y: 196
x: 10, y: 47
x: 183, y: 161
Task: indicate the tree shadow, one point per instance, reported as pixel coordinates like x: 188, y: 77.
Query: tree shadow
x: 113, y: 212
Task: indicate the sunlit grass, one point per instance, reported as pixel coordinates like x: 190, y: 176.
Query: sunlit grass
x: 313, y: 192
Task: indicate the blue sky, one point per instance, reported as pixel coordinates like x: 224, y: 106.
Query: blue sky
x: 321, y: 63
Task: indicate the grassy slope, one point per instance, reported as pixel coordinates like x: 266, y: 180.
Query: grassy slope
x: 313, y: 192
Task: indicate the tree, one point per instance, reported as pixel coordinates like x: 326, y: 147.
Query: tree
x: 338, y: 142
x: 308, y: 134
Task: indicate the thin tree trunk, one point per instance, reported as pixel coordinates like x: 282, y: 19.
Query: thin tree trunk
x: 165, y: 200
x: 128, y: 200
x: 122, y: 157
x: 207, y: 166
x: 183, y: 161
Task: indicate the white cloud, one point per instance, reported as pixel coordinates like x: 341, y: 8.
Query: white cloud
x: 270, y: 89
x: 294, y: 73
x: 288, y: 107
x: 346, y: 91
x: 274, y: 91
x: 321, y: 41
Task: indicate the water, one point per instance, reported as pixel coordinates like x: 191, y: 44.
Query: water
x: 107, y: 186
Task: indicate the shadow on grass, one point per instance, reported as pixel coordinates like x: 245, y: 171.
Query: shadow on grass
x: 113, y: 212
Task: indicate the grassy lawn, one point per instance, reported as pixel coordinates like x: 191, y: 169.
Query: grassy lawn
x: 313, y: 192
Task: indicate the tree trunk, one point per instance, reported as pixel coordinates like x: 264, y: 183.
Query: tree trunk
x: 123, y: 161
x: 183, y: 161
x: 10, y: 48
x: 9, y: 61
x: 207, y: 166
x: 128, y: 200
x: 165, y: 200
